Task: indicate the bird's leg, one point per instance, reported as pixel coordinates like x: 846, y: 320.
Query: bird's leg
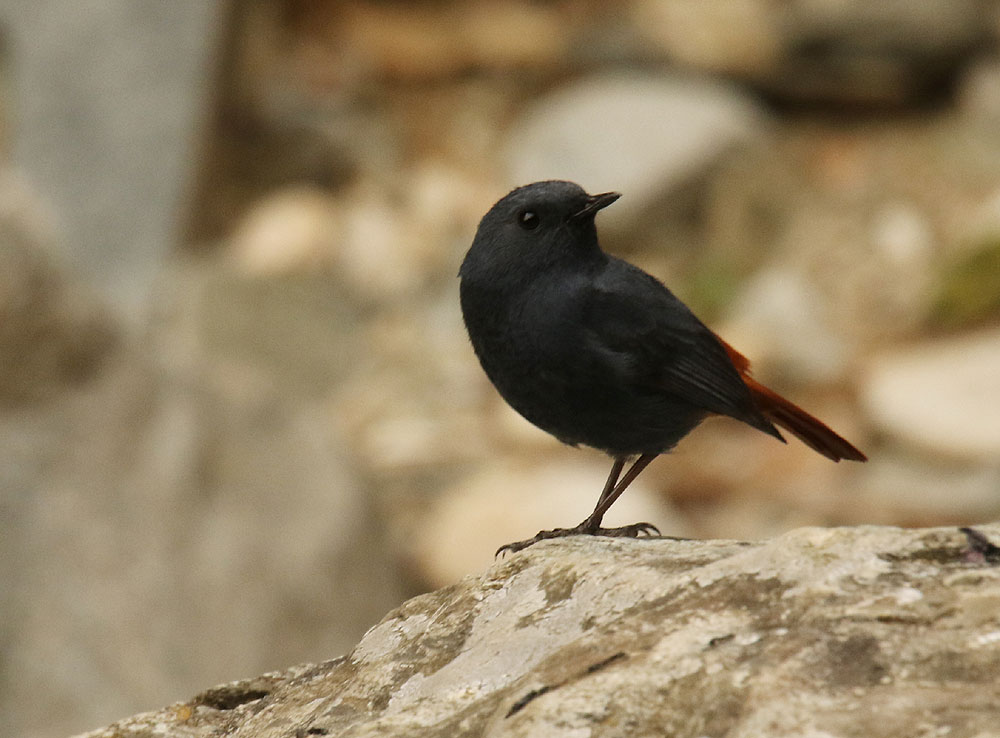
x: 613, y: 489
x: 593, y: 523
x: 616, y: 470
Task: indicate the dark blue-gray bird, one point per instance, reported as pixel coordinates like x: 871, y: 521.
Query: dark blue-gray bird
x: 597, y: 352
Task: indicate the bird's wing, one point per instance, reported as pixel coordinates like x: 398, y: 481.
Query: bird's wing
x: 662, y: 344
x: 668, y: 348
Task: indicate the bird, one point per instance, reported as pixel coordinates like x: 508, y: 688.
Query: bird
x: 599, y: 353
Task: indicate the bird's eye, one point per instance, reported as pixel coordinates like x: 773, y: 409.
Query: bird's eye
x: 528, y: 220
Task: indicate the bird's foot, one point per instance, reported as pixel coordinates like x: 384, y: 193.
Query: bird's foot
x: 626, y: 531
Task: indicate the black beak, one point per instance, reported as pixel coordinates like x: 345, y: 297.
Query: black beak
x: 595, y: 203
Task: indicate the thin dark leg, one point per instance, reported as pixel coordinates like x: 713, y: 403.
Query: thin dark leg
x: 613, y: 489
x: 616, y: 470
x: 607, y: 498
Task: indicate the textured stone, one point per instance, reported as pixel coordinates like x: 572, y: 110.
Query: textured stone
x: 832, y: 632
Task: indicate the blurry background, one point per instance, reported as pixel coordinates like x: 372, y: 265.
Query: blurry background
x: 239, y: 416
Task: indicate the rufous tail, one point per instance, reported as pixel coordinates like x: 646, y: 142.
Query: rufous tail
x: 811, y: 431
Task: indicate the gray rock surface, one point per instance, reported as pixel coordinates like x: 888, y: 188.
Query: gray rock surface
x: 820, y: 632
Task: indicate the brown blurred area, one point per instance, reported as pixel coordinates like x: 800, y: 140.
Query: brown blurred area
x: 239, y: 416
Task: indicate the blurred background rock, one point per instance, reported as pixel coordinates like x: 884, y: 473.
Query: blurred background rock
x: 239, y: 416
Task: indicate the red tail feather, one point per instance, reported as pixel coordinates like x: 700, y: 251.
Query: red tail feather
x: 811, y: 431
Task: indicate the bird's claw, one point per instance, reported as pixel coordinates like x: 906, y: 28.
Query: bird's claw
x: 541, y: 535
x: 636, y: 530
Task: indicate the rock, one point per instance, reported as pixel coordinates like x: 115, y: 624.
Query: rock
x: 866, y: 217
x: 416, y: 406
x: 641, y: 135
x: 870, y: 267
x: 942, y: 397
x: 402, y: 442
x: 832, y: 632
x: 983, y: 225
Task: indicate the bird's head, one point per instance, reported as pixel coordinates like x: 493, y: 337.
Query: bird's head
x: 535, y: 227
